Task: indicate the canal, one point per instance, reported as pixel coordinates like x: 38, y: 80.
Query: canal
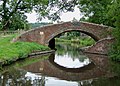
x: 68, y: 66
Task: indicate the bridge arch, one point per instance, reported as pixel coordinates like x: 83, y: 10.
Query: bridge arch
x: 85, y: 32
x: 51, y: 41
x: 43, y: 35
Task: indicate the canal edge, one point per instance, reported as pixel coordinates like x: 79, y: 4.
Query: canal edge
x: 40, y: 52
x: 3, y: 63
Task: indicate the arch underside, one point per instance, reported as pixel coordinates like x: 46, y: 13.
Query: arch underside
x: 51, y: 41
x: 85, y: 32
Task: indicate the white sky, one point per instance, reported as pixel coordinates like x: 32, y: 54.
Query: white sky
x: 64, y: 16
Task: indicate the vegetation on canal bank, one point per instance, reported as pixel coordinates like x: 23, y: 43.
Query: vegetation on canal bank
x: 114, y: 13
x: 86, y: 41
x: 10, y: 52
x: 115, y: 47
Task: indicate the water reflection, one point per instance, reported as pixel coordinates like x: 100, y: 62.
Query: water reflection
x: 17, y: 77
x: 44, y: 71
x: 74, y: 70
x: 52, y: 69
x: 70, y: 57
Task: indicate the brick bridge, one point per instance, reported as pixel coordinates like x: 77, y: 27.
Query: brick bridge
x: 45, y: 35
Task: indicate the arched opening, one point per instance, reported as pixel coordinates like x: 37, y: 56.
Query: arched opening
x: 76, y: 33
x: 68, y: 45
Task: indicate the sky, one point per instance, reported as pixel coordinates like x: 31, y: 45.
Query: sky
x: 64, y: 16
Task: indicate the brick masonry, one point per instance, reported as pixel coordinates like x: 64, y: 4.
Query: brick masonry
x: 43, y: 35
x: 101, y: 47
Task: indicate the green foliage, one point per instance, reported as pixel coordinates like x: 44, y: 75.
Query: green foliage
x: 95, y: 11
x: 114, y: 14
x: 70, y: 35
x: 75, y: 37
x: 12, y: 51
x: 12, y: 12
x: 115, y: 67
x: 19, y: 22
x: 86, y: 41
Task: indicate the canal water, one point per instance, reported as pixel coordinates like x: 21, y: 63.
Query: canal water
x: 68, y: 66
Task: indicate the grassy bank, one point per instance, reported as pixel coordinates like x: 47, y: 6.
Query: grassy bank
x: 81, y: 41
x: 10, y: 52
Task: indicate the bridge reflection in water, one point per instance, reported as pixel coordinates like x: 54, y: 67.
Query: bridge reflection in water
x: 49, y: 73
x: 93, y: 70
x: 87, y: 69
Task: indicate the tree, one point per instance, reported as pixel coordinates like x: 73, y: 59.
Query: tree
x: 114, y: 12
x: 95, y: 11
x: 114, y: 15
x: 11, y: 10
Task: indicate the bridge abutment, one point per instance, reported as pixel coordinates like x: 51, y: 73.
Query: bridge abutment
x: 101, y: 47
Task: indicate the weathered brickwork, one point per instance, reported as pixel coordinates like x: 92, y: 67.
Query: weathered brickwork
x: 43, y: 35
x: 101, y: 47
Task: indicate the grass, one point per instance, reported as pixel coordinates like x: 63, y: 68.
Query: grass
x: 10, y: 52
x: 82, y: 41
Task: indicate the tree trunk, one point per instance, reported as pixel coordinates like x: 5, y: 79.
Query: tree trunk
x: 5, y: 24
